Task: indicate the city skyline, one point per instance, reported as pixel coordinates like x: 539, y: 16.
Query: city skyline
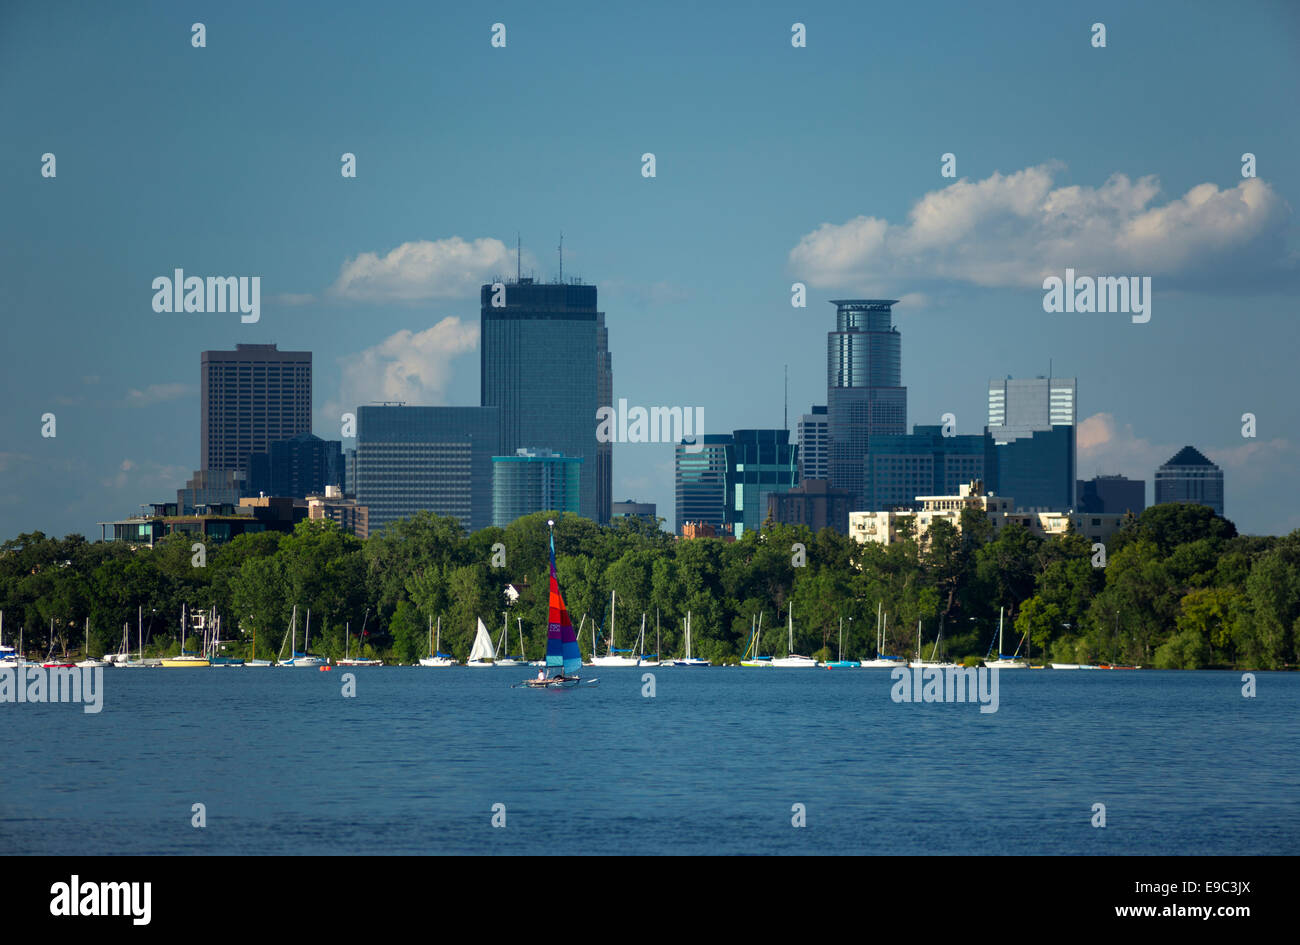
x: 825, y: 169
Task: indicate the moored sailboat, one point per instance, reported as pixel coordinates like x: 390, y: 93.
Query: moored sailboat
x: 792, y: 660
x: 1005, y: 662
x: 689, y: 660
x: 436, y: 657
x: 614, y: 657
x: 482, y: 653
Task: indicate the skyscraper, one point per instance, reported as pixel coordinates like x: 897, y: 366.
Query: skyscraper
x: 1032, y: 422
x: 865, y: 395
x: 250, y: 398
x: 814, y: 445
x: 533, y: 481
x: 545, y: 364
x: 1189, y: 477
x: 759, y: 463
x: 702, y: 480
x: 438, y: 459
x: 1111, y: 494
x: 301, y: 466
x: 925, y: 462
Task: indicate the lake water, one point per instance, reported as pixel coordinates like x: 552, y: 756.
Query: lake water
x: 284, y: 764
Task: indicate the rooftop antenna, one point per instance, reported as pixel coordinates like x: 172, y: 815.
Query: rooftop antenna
x: 561, y: 256
x: 519, y: 257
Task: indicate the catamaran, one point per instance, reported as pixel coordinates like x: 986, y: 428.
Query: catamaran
x: 482, y: 652
x: 690, y: 660
x: 1004, y: 662
x: 791, y: 660
x: 436, y: 657
x: 613, y: 658
x: 561, y: 642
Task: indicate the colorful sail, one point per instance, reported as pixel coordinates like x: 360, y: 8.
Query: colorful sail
x: 561, y: 640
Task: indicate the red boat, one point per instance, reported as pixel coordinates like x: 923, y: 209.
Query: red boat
x: 1109, y: 666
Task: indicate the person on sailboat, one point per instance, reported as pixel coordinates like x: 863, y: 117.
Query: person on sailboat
x: 541, y: 674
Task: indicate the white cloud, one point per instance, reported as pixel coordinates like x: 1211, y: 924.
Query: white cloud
x: 1013, y: 230
x: 1105, y: 448
x: 410, y: 366
x: 157, y: 394
x: 149, y: 477
x: 424, y: 269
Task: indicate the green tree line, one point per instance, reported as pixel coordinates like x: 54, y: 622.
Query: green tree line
x: 1179, y: 589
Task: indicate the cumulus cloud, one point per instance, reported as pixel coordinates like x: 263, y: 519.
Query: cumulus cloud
x: 1012, y: 230
x: 148, y: 476
x: 410, y: 366
x: 157, y: 394
x: 424, y: 269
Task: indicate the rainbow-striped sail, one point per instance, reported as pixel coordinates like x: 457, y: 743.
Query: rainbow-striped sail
x: 561, y: 641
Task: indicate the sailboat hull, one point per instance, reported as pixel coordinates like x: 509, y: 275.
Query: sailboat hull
x: 794, y: 662
x: 614, y: 661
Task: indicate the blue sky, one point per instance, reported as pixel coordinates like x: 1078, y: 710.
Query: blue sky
x: 774, y: 165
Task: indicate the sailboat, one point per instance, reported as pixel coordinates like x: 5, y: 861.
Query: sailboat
x: 1003, y: 661
x: 8, y: 655
x: 841, y: 663
x: 881, y: 661
x: 751, y: 649
x: 503, y: 658
x: 252, y: 661
x: 613, y: 658
x: 482, y: 653
x: 348, y: 658
x: 690, y: 660
x: 187, y: 660
x: 642, y: 659
x: 791, y: 660
x: 215, y: 645
x: 931, y: 663
x: 436, y: 657
x: 301, y: 660
x: 561, y: 642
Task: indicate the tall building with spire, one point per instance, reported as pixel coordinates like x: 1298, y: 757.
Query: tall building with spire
x: 1189, y: 477
x: 865, y: 395
x: 545, y: 363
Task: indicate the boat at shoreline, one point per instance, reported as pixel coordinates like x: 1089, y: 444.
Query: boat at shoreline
x: 436, y: 657
x: 755, y: 661
x: 302, y: 660
x: 689, y: 660
x: 882, y: 661
x: 841, y: 662
x: 1003, y: 661
x: 482, y: 653
x: 613, y: 657
x: 792, y: 660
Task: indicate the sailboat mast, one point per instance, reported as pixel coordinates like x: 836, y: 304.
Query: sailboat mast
x: 611, y: 623
x: 789, y: 617
x: 1000, y: 650
x: 139, y: 628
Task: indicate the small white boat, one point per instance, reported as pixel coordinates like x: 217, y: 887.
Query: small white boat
x: 1003, y: 661
x: 612, y: 658
x: 882, y: 661
x: 689, y: 660
x: 436, y: 657
x: 258, y: 663
x: 348, y: 658
x: 792, y: 660
x: 301, y: 660
x: 754, y: 661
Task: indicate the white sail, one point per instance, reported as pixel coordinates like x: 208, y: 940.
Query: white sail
x: 482, y: 645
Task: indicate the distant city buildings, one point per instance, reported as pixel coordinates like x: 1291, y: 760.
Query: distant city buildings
x: 350, y: 516
x: 546, y: 367
x: 534, y: 480
x: 885, y: 527
x: 758, y: 463
x: 1189, y: 477
x: 1032, y: 423
x: 297, y: 467
x: 706, y: 530
x: 214, y: 524
x: 865, y: 396
x: 439, y: 459
x: 815, y: 503
x: 701, y: 481
x: 630, y: 509
x: 814, y: 445
x: 1112, y: 494
x: 901, y: 467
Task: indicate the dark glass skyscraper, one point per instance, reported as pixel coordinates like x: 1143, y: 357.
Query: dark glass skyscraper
x: 865, y: 395
x: 1189, y: 477
x: 925, y: 463
x: 759, y: 464
x: 702, y: 480
x: 546, y: 366
x: 1032, y: 422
